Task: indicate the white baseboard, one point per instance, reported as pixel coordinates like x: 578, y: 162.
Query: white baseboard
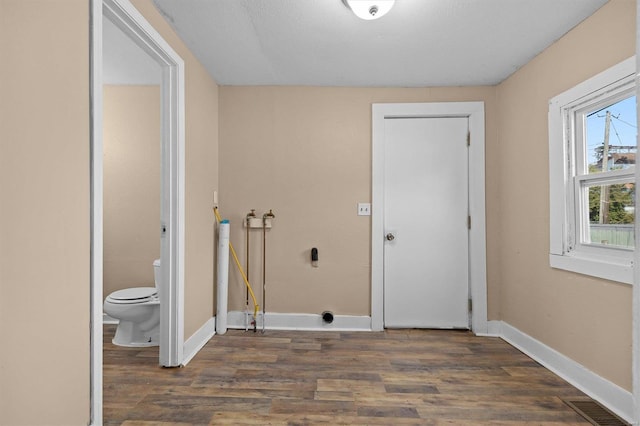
x: 198, y: 340
x: 308, y: 322
x: 612, y: 396
x: 494, y: 329
x: 193, y: 344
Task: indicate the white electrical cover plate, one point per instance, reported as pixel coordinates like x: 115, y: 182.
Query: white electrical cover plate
x: 364, y: 209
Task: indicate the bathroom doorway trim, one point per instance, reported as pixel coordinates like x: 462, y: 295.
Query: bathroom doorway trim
x: 124, y: 15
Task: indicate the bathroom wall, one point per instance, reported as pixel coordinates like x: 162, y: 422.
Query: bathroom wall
x: 305, y: 152
x: 131, y: 128
x: 201, y: 164
x: 44, y: 212
x: 586, y: 319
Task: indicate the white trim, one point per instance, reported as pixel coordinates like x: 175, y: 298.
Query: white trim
x: 96, y: 173
x: 494, y: 329
x: 635, y: 357
x: 621, y: 271
x: 582, y: 259
x: 477, y: 235
x: 615, y: 398
x: 198, y: 340
x: 557, y: 174
x: 306, y: 322
x: 606, y: 78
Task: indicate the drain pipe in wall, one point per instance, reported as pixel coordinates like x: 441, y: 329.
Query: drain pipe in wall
x: 223, y: 277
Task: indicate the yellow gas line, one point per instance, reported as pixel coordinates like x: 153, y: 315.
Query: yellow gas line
x: 244, y: 276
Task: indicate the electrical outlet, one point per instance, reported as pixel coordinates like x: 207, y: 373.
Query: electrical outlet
x: 364, y: 209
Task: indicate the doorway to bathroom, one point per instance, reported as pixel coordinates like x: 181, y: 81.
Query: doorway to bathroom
x: 169, y: 224
x: 131, y: 185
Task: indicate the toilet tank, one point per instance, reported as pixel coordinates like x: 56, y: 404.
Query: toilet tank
x: 156, y: 272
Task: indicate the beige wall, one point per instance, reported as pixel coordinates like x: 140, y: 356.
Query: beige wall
x: 305, y: 152
x: 44, y: 215
x: 131, y: 129
x: 44, y: 212
x: 201, y: 146
x: 587, y: 319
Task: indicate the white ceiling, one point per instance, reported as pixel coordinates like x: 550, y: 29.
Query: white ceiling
x: 418, y: 43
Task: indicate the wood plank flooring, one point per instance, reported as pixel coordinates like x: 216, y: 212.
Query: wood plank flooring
x: 396, y: 377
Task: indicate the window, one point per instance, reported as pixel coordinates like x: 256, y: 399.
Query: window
x: 592, y: 156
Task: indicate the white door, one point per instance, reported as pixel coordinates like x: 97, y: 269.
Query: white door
x: 426, y: 208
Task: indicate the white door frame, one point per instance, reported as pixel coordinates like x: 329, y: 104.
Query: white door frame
x: 124, y: 15
x: 635, y: 341
x: 474, y: 111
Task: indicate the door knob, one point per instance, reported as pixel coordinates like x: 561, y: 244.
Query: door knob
x: 390, y: 237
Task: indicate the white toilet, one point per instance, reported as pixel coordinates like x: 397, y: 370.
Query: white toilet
x: 138, y: 310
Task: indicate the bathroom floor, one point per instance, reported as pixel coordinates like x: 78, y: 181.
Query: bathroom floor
x: 399, y: 377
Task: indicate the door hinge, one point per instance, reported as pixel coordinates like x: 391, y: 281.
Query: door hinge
x: 470, y: 305
x: 468, y: 222
x: 468, y: 138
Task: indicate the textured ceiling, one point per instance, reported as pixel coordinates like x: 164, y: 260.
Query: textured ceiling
x: 418, y: 43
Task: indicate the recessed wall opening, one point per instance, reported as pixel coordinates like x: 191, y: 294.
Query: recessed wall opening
x: 170, y: 227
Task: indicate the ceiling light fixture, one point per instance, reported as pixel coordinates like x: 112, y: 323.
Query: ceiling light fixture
x: 369, y: 9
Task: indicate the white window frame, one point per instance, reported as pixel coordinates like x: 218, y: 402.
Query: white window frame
x: 566, y: 250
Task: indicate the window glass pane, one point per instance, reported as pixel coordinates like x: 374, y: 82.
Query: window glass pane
x: 611, y: 134
x: 611, y: 215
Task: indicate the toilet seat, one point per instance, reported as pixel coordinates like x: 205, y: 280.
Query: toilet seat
x: 133, y: 295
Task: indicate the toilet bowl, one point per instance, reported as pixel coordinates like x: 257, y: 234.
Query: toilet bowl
x: 138, y: 312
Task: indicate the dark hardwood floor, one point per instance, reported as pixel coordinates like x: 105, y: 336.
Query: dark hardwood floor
x: 396, y: 377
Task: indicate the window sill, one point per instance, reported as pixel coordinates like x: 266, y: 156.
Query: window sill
x: 621, y: 271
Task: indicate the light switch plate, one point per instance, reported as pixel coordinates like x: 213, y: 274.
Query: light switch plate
x: 364, y: 209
